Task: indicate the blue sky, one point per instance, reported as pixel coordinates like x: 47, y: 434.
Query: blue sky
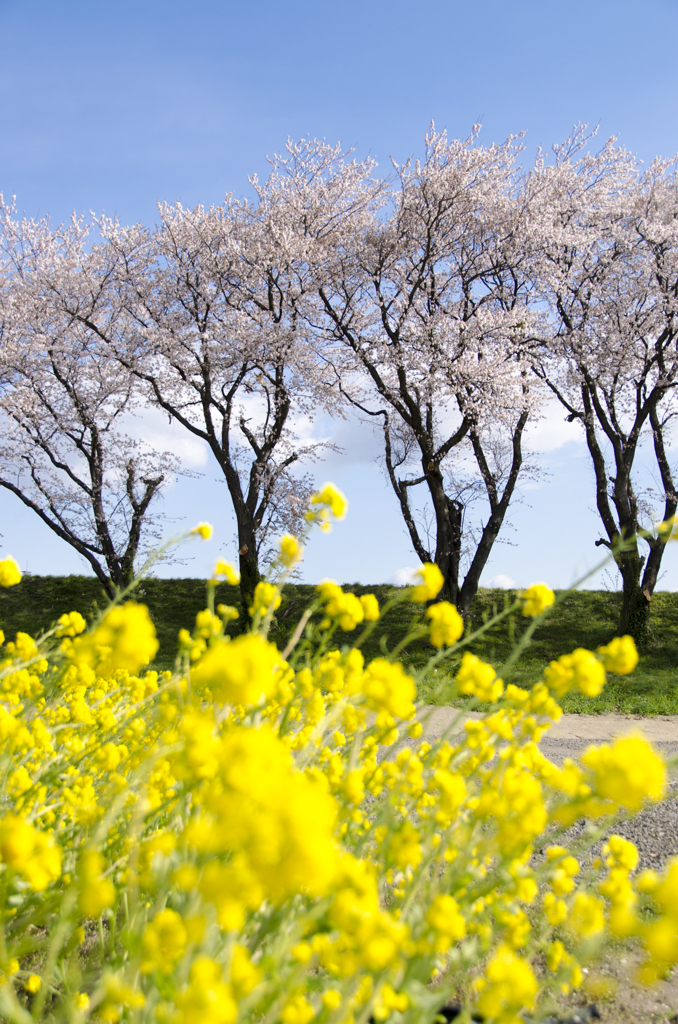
x: 111, y: 107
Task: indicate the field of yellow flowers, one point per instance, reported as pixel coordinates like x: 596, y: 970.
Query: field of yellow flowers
x: 262, y: 836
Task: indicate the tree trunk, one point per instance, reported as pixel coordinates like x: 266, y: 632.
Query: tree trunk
x: 634, y: 619
x: 482, y: 553
x: 249, y: 566
x: 448, y: 534
x: 499, y: 505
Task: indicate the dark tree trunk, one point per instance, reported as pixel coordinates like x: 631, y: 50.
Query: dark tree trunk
x: 634, y: 618
x: 616, y: 499
x: 449, y: 515
x: 249, y: 566
x: 449, y: 512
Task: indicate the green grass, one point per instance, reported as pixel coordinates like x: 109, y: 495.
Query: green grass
x: 38, y: 601
x: 583, y: 619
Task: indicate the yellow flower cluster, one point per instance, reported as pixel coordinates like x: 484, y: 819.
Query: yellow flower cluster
x: 326, y: 505
x: 124, y: 639
x: 627, y: 773
x: 242, y: 671
x: 430, y: 583
x: 536, y: 599
x: 32, y: 854
x: 246, y: 838
x: 267, y: 600
x: 347, y: 610
x: 620, y: 655
x: 509, y: 986
x: 446, y: 626
x: 581, y: 669
x: 478, y: 679
x: 661, y: 935
x: 291, y: 550
x: 203, y: 530
x: 10, y: 574
x: 227, y: 571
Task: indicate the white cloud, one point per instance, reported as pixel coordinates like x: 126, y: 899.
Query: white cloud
x: 359, y: 442
x: 551, y: 430
x: 404, y: 577
x: 502, y: 582
x: 152, y: 426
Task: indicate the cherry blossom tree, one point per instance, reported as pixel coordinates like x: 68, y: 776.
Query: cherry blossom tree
x: 422, y: 292
x: 215, y: 335
x: 64, y: 404
x: 608, y: 269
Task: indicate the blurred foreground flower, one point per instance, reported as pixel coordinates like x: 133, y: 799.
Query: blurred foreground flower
x: 429, y: 582
x: 204, y: 530
x: 537, y: 599
x: 10, y: 574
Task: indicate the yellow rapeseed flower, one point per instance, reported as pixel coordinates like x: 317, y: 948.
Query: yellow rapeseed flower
x: 661, y: 941
x: 404, y: 849
x: 620, y: 852
x: 10, y: 573
x: 431, y: 582
x: 555, y: 909
x: 266, y: 599
x: 124, y: 639
x: 508, y: 987
x: 29, y: 852
x: 331, y: 999
x: 387, y: 1000
x: 96, y: 893
x: 297, y: 1010
x: 389, y: 688
x: 446, y: 626
x: 537, y: 599
x: 204, y: 530
x: 244, y: 975
x: 370, y: 607
x: 242, y: 671
x: 291, y: 550
x: 586, y: 917
x: 666, y: 889
x: 447, y: 921
x: 227, y: 570
x: 620, y: 655
x: 164, y: 942
x: 629, y: 772
x: 71, y: 624
x: 207, y: 998
x: 330, y: 498
x: 478, y: 679
x: 581, y: 668
x: 347, y: 609
x: 667, y: 529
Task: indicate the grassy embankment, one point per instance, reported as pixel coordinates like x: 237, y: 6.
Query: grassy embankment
x: 583, y: 619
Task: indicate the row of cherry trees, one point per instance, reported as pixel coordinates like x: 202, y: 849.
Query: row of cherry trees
x: 442, y: 304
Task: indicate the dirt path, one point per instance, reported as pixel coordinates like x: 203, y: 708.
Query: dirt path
x: 592, y: 728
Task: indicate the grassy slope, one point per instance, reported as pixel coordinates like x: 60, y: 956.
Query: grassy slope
x: 584, y: 619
